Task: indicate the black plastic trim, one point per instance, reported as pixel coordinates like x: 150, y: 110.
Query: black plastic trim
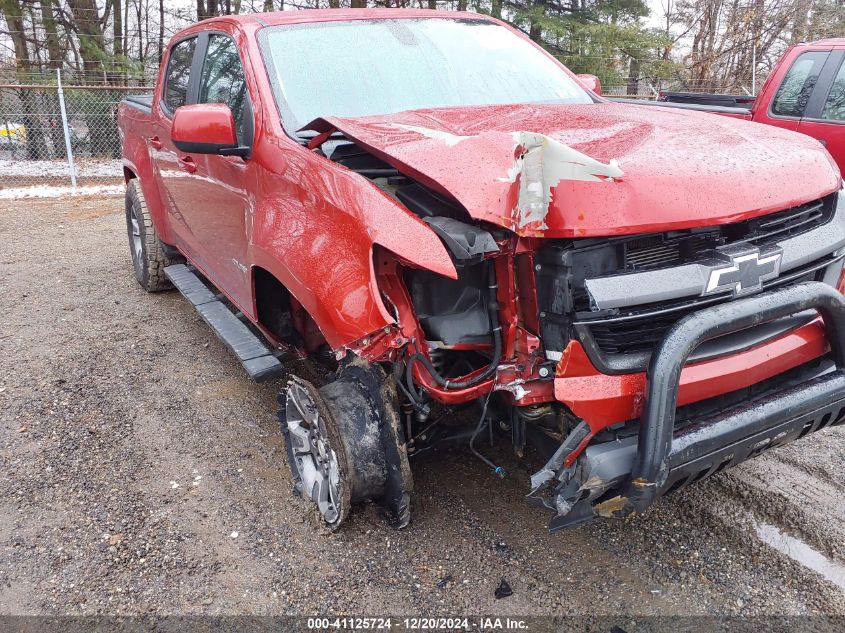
x: 783, y: 279
x: 810, y: 399
x: 698, y: 107
x: 257, y: 358
x: 201, y: 148
x: 824, y: 84
x: 143, y: 102
x: 467, y: 243
x: 770, y: 112
x: 193, y: 79
x: 244, y: 150
x: 629, y: 363
x: 616, y: 364
x: 655, y: 442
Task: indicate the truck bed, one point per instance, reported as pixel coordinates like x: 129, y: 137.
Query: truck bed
x: 708, y: 99
x: 735, y: 111
x: 141, y: 102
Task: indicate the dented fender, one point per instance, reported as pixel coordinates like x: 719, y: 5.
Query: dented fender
x: 315, y: 227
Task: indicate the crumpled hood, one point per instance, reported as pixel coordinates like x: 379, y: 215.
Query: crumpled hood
x: 600, y: 169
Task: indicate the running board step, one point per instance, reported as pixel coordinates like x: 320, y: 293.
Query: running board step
x: 258, y: 360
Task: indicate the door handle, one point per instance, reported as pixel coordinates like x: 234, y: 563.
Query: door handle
x: 188, y: 164
x: 155, y: 142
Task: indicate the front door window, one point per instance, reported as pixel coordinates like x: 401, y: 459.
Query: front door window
x: 222, y: 81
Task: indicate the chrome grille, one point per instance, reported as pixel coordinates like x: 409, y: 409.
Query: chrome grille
x: 649, y: 282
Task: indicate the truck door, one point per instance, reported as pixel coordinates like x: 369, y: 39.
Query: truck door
x: 824, y: 117
x: 176, y: 181
x: 219, y: 214
x: 793, y: 93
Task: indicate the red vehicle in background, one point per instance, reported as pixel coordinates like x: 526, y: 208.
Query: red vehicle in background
x: 436, y: 208
x: 805, y: 92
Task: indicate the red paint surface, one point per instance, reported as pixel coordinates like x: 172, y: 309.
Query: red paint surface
x: 603, y: 400
x: 830, y: 133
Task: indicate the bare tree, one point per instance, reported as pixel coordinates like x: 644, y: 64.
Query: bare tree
x: 89, y: 28
x: 36, y: 145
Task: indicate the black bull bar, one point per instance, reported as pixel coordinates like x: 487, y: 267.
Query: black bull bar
x: 662, y: 458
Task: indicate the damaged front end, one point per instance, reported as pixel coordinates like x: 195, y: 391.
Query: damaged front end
x: 576, y: 344
x: 623, y: 477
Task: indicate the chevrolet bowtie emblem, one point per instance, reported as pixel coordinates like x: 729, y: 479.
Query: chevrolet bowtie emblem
x: 745, y: 271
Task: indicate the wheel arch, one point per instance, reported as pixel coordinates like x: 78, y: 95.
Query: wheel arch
x: 272, y: 305
x: 138, y: 166
x: 269, y: 276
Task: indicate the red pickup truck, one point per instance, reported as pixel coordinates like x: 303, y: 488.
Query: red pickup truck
x: 805, y: 92
x: 473, y: 241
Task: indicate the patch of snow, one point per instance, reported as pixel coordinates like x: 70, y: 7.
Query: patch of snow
x: 85, y: 168
x: 16, y: 193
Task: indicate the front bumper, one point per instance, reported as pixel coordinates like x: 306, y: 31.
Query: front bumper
x: 621, y: 478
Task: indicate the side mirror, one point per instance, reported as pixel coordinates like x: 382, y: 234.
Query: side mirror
x: 206, y: 128
x: 591, y: 82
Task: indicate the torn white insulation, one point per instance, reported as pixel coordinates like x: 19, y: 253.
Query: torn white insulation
x: 541, y: 164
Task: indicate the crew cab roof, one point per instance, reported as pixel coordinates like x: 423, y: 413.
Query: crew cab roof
x: 836, y: 42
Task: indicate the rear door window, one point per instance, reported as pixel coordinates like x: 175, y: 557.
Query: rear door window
x: 794, y: 93
x: 178, y: 74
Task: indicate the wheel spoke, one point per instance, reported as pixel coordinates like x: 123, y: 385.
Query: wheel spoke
x: 299, y: 438
x: 324, y: 500
x: 297, y: 398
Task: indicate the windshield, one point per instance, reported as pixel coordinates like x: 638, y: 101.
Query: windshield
x: 359, y: 68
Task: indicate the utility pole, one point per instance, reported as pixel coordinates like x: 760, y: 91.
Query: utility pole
x: 66, y: 126
x: 754, y: 66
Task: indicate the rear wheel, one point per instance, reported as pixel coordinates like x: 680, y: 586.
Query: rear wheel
x: 149, y: 258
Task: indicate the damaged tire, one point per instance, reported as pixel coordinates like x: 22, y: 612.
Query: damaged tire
x: 345, y: 445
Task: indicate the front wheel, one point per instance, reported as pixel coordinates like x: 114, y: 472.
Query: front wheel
x: 149, y: 258
x: 345, y: 443
x: 316, y: 453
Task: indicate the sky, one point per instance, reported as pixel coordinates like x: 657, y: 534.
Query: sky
x: 656, y: 18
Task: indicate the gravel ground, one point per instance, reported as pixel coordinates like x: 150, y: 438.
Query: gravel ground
x: 141, y: 472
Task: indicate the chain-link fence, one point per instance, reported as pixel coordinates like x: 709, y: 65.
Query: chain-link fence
x: 638, y: 90
x: 54, y: 135
x: 42, y: 144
